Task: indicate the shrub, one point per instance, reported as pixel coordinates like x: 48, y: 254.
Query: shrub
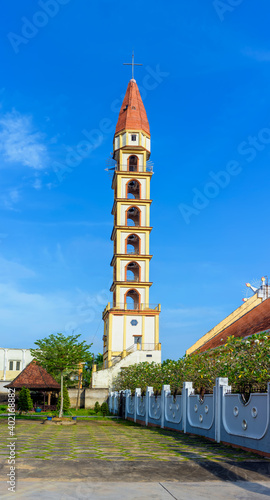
x: 25, y: 402
x: 104, y: 409
x: 97, y: 407
x: 246, y: 363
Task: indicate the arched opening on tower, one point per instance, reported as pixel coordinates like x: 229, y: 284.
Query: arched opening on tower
x: 133, y: 216
x: 133, y: 244
x: 134, y: 190
x: 133, y: 271
x: 133, y: 164
x: 132, y: 299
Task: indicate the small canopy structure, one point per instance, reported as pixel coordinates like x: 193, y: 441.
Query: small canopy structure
x: 36, y: 378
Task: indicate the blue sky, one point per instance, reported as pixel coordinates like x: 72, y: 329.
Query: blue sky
x: 205, y: 85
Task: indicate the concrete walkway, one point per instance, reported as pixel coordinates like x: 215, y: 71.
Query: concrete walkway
x: 208, y: 490
x: 119, y: 460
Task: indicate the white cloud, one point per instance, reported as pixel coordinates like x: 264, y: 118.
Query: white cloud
x: 14, y: 271
x: 20, y: 143
x: 9, y: 199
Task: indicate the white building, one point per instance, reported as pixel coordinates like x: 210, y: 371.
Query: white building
x: 12, y: 362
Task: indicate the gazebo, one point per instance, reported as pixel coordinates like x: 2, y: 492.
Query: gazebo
x: 39, y: 382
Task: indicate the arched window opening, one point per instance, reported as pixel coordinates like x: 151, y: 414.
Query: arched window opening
x: 133, y: 164
x: 133, y: 272
x: 133, y: 190
x: 133, y: 216
x: 133, y: 244
x: 132, y: 299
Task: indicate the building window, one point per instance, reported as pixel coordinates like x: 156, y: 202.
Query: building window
x: 18, y: 367
x: 11, y: 365
x: 134, y: 137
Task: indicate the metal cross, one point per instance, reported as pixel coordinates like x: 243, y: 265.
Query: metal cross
x: 132, y: 64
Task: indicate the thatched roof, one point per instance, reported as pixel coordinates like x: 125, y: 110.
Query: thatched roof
x: 34, y: 377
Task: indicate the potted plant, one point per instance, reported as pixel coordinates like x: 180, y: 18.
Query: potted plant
x: 37, y: 409
x: 49, y: 416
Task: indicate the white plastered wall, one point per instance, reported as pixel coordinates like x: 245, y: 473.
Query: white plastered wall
x: 133, y: 330
x: 117, y: 333
x: 123, y: 264
x: 123, y: 291
x: 124, y: 208
x: 142, y: 236
x: 133, y: 143
x: 117, y: 143
x: 149, y: 334
x: 125, y: 157
x: 124, y: 188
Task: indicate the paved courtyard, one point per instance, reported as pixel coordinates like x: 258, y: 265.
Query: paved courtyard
x: 115, y: 451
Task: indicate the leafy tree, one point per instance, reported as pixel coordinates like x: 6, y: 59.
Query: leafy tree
x: 25, y: 402
x: 66, y: 400
x: 59, y: 354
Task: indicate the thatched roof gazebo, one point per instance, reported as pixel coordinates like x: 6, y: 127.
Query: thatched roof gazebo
x: 36, y: 378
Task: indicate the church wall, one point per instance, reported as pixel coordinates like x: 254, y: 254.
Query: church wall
x: 123, y: 264
x: 123, y: 291
x: 133, y: 143
x: 124, y: 208
x: 149, y: 336
x: 133, y: 330
x: 125, y: 157
x: 117, y: 335
x: 124, y: 183
x: 123, y: 241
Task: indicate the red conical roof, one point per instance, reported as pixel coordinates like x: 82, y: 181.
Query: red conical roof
x: 132, y: 115
x: 34, y: 376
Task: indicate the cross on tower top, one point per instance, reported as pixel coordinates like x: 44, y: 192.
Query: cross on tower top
x: 132, y: 64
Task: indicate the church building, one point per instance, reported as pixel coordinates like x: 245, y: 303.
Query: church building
x: 131, y: 322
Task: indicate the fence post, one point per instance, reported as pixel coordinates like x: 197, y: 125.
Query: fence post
x: 166, y: 389
x: 110, y: 402
x: 187, y: 389
x: 128, y: 392
x: 219, y: 390
x: 115, y: 402
x: 149, y: 391
x: 137, y: 394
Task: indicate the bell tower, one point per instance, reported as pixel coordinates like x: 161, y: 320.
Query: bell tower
x: 131, y: 322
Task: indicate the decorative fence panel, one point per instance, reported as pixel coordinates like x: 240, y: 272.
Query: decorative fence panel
x: 221, y: 416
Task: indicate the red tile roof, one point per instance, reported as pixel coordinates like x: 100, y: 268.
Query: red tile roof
x: 255, y: 321
x: 34, y: 376
x: 132, y: 115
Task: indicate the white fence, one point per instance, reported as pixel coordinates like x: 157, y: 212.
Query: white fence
x: 220, y: 416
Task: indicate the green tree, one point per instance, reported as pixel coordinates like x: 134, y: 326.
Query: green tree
x: 59, y: 354
x: 66, y: 400
x: 25, y: 402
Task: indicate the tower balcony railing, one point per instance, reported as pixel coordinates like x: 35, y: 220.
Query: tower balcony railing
x: 136, y: 307
x: 133, y: 278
